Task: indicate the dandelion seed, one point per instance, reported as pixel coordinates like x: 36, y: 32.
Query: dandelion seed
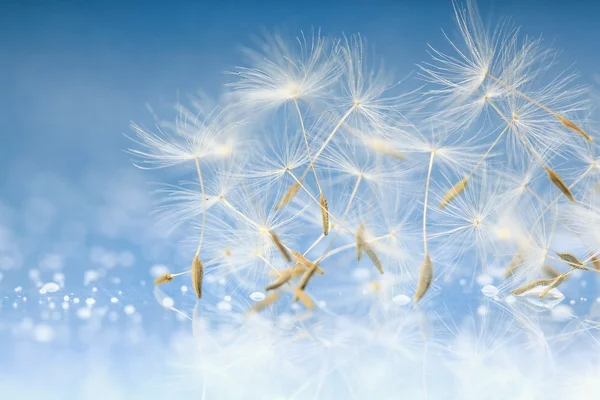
x: 571, y: 125
x: 304, y: 298
x: 360, y: 241
x: 282, y: 249
x: 571, y: 260
x: 324, y: 214
x: 197, y: 276
x: 162, y: 279
x: 516, y: 262
x: 306, y: 263
x: 555, y: 282
x: 558, y: 182
x: 306, y: 277
x: 374, y: 259
x: 455, y: 191
x: 550, y: 271
x: 285, y: 276
x: 531, y: 285
x: 289, y: 195
x: 264, y: 303
x: 595, y: 262
x: 425, y: 278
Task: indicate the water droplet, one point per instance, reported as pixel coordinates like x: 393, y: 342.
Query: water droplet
x: 401, y: 299
x: 257, y: 296
x: 552, y: 298
x: 224, y: 306
x: 84, y: 313
x: 489, y: 290
x: 114, y: 300
x: 90, y: 302
x: 168, y: 302
x: 129, y: 309
x: 510, y: 299
x: 50, y: 287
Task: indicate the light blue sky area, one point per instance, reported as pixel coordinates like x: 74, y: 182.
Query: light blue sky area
x: 73, y: 75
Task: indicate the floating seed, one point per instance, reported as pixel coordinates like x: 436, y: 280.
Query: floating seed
x: 531, y: 285
x: 550, y: 271
x: 596, y: 263
x: 324, y: 214
x: 558, y: 182
x: 571, y: 125
x: 451, y: 194
x: 571, y: 260
x: 360, y: 241
x: 304, y: 298
x: 374, y: 259
x: 516, y: 262
x: 280, y: 247
x: 164, y: 278
x: 289, y: 195
x: 555, y: 282
x: 425, y: 278
x: 285, y: 276
x: 197, y: 276
x: 306, y: 263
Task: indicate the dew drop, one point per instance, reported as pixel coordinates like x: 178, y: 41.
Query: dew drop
x: 489, y: 290
x: 168, y: 302
x: 401, y: 300
x: 224, y: 306
x: 84, y: 313
x: 552, y: 298
x: 257, y: 296
x: 129, y: 309
x: 50, y: 287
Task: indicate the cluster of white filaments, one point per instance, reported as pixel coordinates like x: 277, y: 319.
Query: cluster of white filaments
x: 316, y: 181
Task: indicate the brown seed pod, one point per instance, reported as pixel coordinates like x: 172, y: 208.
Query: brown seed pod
x: 595, y: 262
x: 360, y: 241
x: 550, y: 271
x: 271, y: 298
x: 282, y: 249
x: 425, y: 278
x: 304, y: 298
x: 286, y: 275
x: 571, y: 260
x: 289, y: 195
x: 455, y: 191
x: 324, y: 214
x: 531, y: 285
x: 517, y: 261
x: 374, y: 259
x: 558, y: 182
x: 162, y: 279
x: 574, y: 127
x: 555, y: 282
x: 197, y: 276
x: 306, y: 263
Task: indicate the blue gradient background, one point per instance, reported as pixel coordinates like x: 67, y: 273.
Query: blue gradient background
x: 72, y: 77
